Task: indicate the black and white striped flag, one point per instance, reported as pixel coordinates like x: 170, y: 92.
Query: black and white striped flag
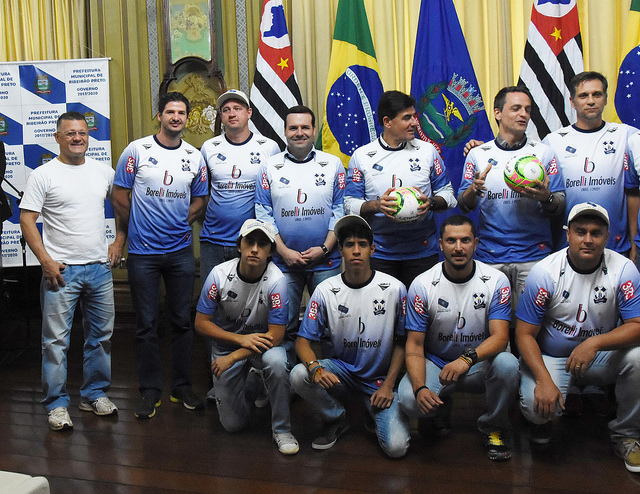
x: 275, y: 88
x: 552, y: 56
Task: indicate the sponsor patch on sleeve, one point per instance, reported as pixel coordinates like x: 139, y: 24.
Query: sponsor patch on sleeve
x: 265, y: 182
x: 131, y: 165
x: 553, y: 167
x: 628, y: 290
x: 541, y: 297
x: 437, y: 166
x: 313, y: 310
x: 213, y: 292
x: 276, y: 303
x: 357, y: 175
x: 505, y: 295
x: 468, y: 170
x: 418, y: 305
x: 341, y: 180
x: 203, y: 174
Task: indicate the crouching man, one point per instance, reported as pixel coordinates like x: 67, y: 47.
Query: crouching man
x: 243, y: 307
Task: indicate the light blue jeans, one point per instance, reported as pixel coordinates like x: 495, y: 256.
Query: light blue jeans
x: 92, y: 285
x: 498, y: 378
x: 236, y: 391
x: 392, y: 426
x: 621, y: 367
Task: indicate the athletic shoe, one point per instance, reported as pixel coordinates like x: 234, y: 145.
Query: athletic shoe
x: 59, y: 419
x: 540, y: 433
x: 439, y: 426
x: 287, y: 443
x: 147, y: 407
x: 331, y: 431
x: 187, y: 397
x: 102, y: 406
x: 629, y: 450
x: 496, y: 447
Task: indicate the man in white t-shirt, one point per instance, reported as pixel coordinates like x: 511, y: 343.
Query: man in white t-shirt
x: 68, y: 192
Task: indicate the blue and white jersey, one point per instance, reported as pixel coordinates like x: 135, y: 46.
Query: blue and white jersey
x: 162, y: 181
x: 511, y: 228
x: 374, y: 168
x: 634, y: 153
x: 232, y: 173
x: 359, y: 324
x: 570, y: 306
x: 455, y: 315
x: 595, y: 167
x: 303, y: 200
x: 240, y: 306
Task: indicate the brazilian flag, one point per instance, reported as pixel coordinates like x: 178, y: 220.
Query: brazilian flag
x: 353, y: 85
x: 627, y: 98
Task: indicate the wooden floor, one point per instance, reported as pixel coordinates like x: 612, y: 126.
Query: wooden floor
x: 183, y: 451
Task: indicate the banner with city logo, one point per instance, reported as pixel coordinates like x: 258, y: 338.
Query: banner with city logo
x: 32, y: 96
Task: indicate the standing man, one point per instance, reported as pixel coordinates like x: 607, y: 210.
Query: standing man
x: 233, y: 160
x: 593, y: 156
x: 457, y: 332
x: 569, y: 331
x: 160, y: 188
x: 243, y: 308
x: 514, y: 228
x: 397, y: 159
x: 300, y: 192
x: 360, y: 315
x: 69, y: 193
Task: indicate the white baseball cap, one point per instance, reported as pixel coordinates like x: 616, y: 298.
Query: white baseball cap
x: 590, y: 209
x: 235, y: 94
x: 253, y: 224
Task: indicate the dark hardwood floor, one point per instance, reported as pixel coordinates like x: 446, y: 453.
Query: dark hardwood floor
x: 183, y: 451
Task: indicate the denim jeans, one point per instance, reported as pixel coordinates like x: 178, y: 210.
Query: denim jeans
x: 392, y: 426
x: 498, y: 378
x: 92, y: 285
x: 621, y: 367
x: 213, y: 254
x: 236, y: 391
x: 178, y: 272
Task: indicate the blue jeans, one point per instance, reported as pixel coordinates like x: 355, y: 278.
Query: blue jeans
x: 236, y: 391
x: 498, y: 378
x: 213, y: 254
x: 296, y: 281
x: 392, y: 426
x: 178, y: 272
x: 621, y: 367
x: 91, y: 284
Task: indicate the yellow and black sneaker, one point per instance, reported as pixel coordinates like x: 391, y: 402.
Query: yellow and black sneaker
x: 496, y: 446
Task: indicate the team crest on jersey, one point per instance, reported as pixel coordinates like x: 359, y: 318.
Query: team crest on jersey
x: 600, y: 295
x: 212, y: 294
x: 505, y: 295
x: 628, y: 290
x: 152, y: 160
x: 541, y: 297
x: 313, y: 310
x: 335, y: 290
x: 418, y: 305
x: 131, y: 165
x: 371, y: 154
x: 553, y: 167
x: 565, y: 296
x: 414, y: 164
x: 276, y: 303
x: 320, y: 181
x: 357, y: 176
x: 479, y: 301
x: 570, y: 150
x: 437, y: 166
x: 608, y: 147
x: 146, y: 146
x: 254, y: 158
x: 221, y: 157
x: 186, y: 165
x: 378, y: 307
x: 384, y: 286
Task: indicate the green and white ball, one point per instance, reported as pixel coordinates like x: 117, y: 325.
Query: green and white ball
x: 523, y: 171
x: 408, y: 203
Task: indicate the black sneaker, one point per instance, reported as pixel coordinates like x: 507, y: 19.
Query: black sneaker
x: 437, y: 427
x: 540, y: 433
x: 496, y: 447
x: 187, y: 397
x: 331, y: 431
x: 147, y: 407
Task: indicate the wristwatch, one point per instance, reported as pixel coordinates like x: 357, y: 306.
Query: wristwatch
x: 326, y: 252
x: 471, y: 354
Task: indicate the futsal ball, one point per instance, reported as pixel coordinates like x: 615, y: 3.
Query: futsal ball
x: 523, y: 171
x: 407, y: 204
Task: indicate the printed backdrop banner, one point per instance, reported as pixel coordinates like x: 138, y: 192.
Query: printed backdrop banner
x: 32, y: 97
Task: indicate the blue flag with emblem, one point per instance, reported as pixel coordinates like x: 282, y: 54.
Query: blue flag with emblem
x: 448, y: 101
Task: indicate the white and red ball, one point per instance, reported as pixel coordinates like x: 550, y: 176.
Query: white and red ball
x: 408, y: 202
x: 523, y: 171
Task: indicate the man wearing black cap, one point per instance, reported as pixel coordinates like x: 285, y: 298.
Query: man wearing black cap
x: 568, y: 330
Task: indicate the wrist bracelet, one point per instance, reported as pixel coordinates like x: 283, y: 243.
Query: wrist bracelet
x: 315, y: 370
x: 415, y: 393
x: 308, y: 364
x: 467, y: 360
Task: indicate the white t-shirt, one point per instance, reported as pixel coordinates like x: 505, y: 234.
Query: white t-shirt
x: 70, y: 199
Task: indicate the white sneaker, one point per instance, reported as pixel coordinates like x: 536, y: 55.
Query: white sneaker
x: 59, y: 419
x: 101, y: 406
x: 287, y: 443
